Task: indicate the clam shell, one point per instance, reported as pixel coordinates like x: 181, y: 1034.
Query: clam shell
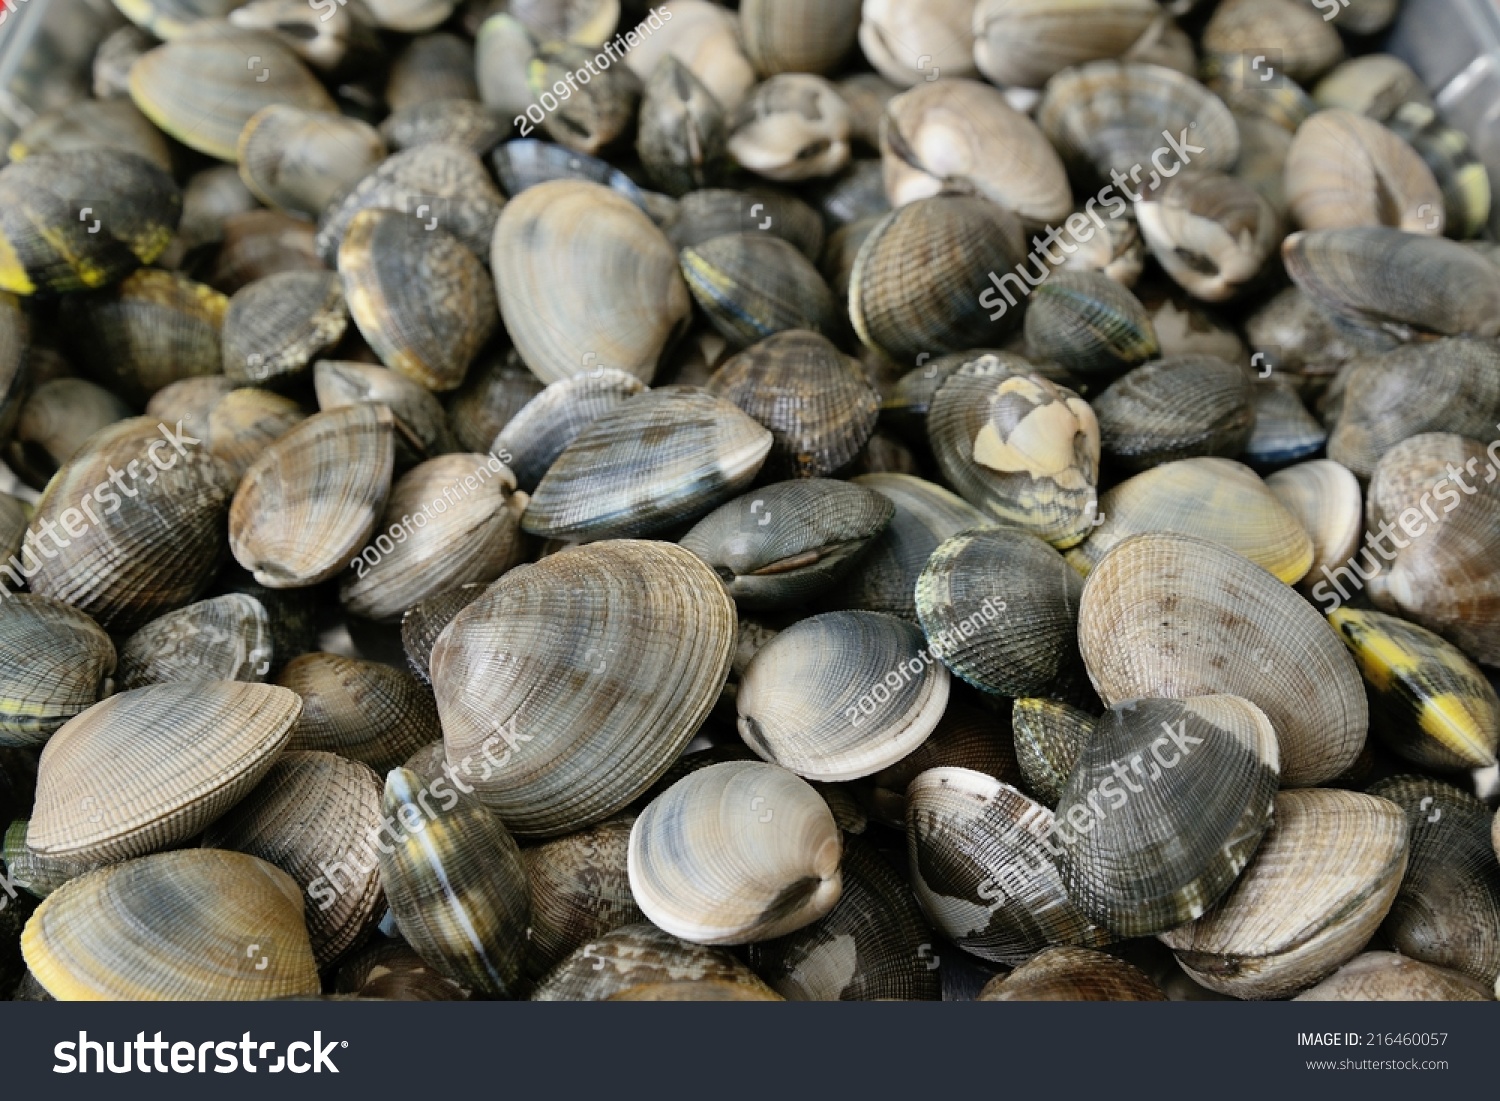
x: 274, y: 327
x: 906, y: 42
x: 628, y: 302
x: 392, y: 971
x: 410, y: 16
x: 497, y: 388
x: 735, y: 853
x: 1391, y: 977
x: 1373, y: 85
x: 791, y: 36
x: 93, y: 124
x: 866, y: 95
x: 112, y: 60
x: 54, y: 664
x: 610, y: 483
x: 818, y: 698
x: 701, y: 990
x: 225, y: 638
x: 1284, y: 430
x: 1213, y: 233
x: 580, y: 890
x: 148, y: 769
x: 1447, y: 152
x: 421, y: 423
x: 788, y: 542
x: 197, y: 925
x: 313, y: 816
x: 39, y: 875
x: 1176, y: 840
x: 1345, y: 170
x: 55, y: 421
x: 794, y: 126
x: 246, y: 422
x: 362, y: 710
x: 461, y: 122
x: 1306, y: 44
x: 190, y: 400
x: 1026, y: 42
x: 597, y: 113
x: 259, y: 243
x: 683, y: 136
x: 431, y: 67
x: 526, y: 162
x: 311, y: 500
x: 705, y: 38
x: 1089, y: 323
x: 425, y: 621
x: 717, y: 212
x: 752, y: 286
x: 300, y: 161
x: 597, y: 664
x: 457, y: 885
x: 1325, y: 499
x: 1050, y: 737
x: 1072, y: 975
x: 980, y: 872
x: 544, y: 426
x: 1174, y: 615
x: 1176, y: 408
x: 169, y: 19
x: 636, y: 955
x: 1214, y: 499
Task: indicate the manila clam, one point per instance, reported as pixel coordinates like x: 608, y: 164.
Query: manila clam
x: 224, y: 638
x: 1176, y: 408
x: 580, y: 890
x: 359, y: 709
x: 276, y: 326
x: 1049, y: 736
x: 543, y: 427
x: 1072, y: 975
x: 752, y: 286
x: 56, y: 663
x: 1391, y: 977
x: 638, y: 955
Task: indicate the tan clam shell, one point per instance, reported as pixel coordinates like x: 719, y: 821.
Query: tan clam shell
x: 300, y: 161
x: 1346, y: 170
x: 196, y: 925
x: 907, y: 42
x: 312, y: 499
x: 700, y: 990
x: 1175, y: 616
x: 580, y: 679
x: 1026, y: 42
x: 635, y: 955
x: 705, y: 38
x: 1306, y: 44
x: 735, y: 853
x: 1216, y: 499
x: 1325, y: 498
x: 793, y: 126
x: 55, y: 663
x: 1317, y: 888
x: 541, y: 429
x: 1212, y: 232
x: 362, y: 710
x: 246, y: 422
x: 1072, y: 975
x: 580, y: 890
x: 313, y: 815
x: 421, y: 422
x: 627, y: 299
x: 150, y: 768
x: 1391, y: 977
x: 794, y: 36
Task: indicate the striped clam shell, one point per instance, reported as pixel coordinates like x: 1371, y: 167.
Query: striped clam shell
x: 55, y: 663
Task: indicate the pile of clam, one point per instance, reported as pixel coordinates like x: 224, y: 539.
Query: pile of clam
x: 912, y: 499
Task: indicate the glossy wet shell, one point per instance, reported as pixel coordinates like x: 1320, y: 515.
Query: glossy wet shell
x: 1072, y: 975
x: 314, y: 816
x: 792, y: 126
x: 359, y: 709
x: 1325, y: 498
x: 1347, y: 170
x: 300, y: 161
x: 147, y: 769
x: 580, y: 890
x: 225, y: 638
x: 54, y: 664
x: 753, y: 285
x: 597, y: 664
x: 841, y: 695
x: 980, y: 871
x: 310, y: 502
x: 1089, y: 323
x: 658, y: 460
x: 715, y: 212
x: 1173, y: 615
x: 1176, y: 408
x: 636, y: 955
x: 549, y: 422
x: 1049, y: 739
x: 1311, y: 898
x: 246, y: 422
x: 276, y: 326
x: 683, y: 131
x: 196, y: 925
x: 1391, y: 977
x: 1284, y: 430
x: 422, y: 430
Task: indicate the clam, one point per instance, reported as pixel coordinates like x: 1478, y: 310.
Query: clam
x: 1174, y: 615
x: 683, y: 130
x: 610, y: 482
x: 962, y: 135
x: 1023, y: 449
x: 169, y: 19
x: 459, y: 892
x: 148, y: 769
x: 425, y: 621
x: 999, y: 608
x: 294, y: 619
x: 525, y: 162
x: 735, y: 853
x: 93, y: 125
x: 421, y: 424
x: 754, y: 285
x: 1373, y: 85
x: 152, y: 329
x: 1089, y: 323
x: 909, y: 399
x: 391, y: 970
x: 1214, y: 499
x: 55, y: 242
x: 212, y: 196
x: 885, y: 578
x: 1325, y: 498
x: 410, y: 16
x: 788, y: 542
x: 543, y: 427
x: 311, y: 500
x: 634, y: 956
x: 15, y: 515
x: 580, y: 890
x: 314, y: 816
x: 151, y: 547
x: 197, y: 925
x: 423, y: 301
x: 236, y: 71
x: 874, y: 945
x: 1319, y: 885
x: 274, y: 327
x: 816, y: 402
x: 705, y: 38
x: 1447, y: 912
x: 475, y: 535
x: 1305, y: 43
x: 1190, y: 785
x: 980, y: 871
x: 335, y: 41
x: 587, y: 22
x: 361, y: 710
x: 841, y: 695
x: 113, y: 59
x: 1346, y: 170
x: 1434, y: 706
x: 1211, y: 232
x: 1117, y: 251
x: 866, y: 95
x: 1027, y: 42
x: 1049, y: 736
x: 225, y: 638
x: 1392, y: 283
x: 300, y: 161
x: 795, y: 126
x: 854, y: 195
x: 629, y: 302
x: 1072, y: 975
x: 716, y: 212
x: 55, y: 664
x: 498, y: 387
x: 260, y: 243
x: 1446, y: 151
x: 1176, y: 408
x: 242, y: 425
x: 1284, y: 430
x: 787, y: 36
x: 461, y: 122
x: 580, y: 679
x: 444, y: 186
x: 432, y: 67
x: 38, y: 875
x: 1391, y: 977
x: 55, y: 421
x: 594, y: 113
x: 1184, y: 327
x: 908, y: 42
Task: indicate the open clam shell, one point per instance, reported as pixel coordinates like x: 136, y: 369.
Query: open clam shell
x: 735, y: 853
x: 1190, y: 785
x: 1072, y: 975
x: 980, y: 871
x: 1089, y: 323
x: 362, y: 710
x: 542, y: 429
x: 1176, y: 408
x: 1392, y: 977
x: 274, y: 327
x: 841, y: 695
x: 225, y: 638
x: 196, y: 925
x: 580, y: 890
x: 1050, y: 736
x: 1317, y: 888
x: 1211, y: 232
x: 637, y: 955
x: 55, y: 662
x: 580, y: 679
x: 659, y: 460
x: 147, y: 769
x: 1174, y: 615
